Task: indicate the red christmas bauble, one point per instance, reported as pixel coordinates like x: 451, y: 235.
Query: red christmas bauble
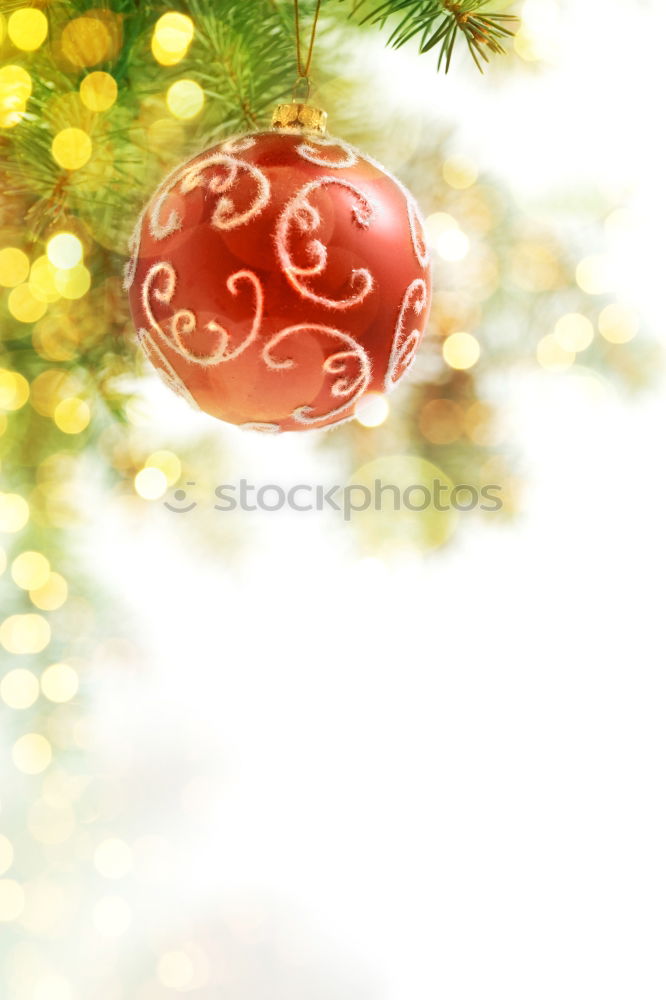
x: 277, y: 278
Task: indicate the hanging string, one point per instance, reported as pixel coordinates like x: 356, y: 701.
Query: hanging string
x: 304, y: 67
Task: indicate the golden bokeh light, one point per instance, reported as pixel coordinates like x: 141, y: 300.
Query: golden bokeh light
x: 72, y: 415
x: 47, y: 390
x: 57, y: 337
x: 618, y: 324
x: 171, y: 38
x: 27, y: 28
x: 527, y: 46
x: 51, y: 595
x: 15, y: 89
x: 574, y: 332
x: 24, y: 634
x: 12, y: 900
x: 32, y: 753
x: 113, y: 858
x: 461, y: 350
x: 14, y: 512
x: 185, y: 99
x: 166, y: 462
x: 592, y: 275
x: 6, y: 854
x: 459, y: 172
x: 24, y: 306
x: 98, y: 92
x: 14, y: 390
x: 71, y: 148
x: 64, y: 251
x: 60, y: 682
x: 42, y: 280
x: 74, y: 282
x: 14, y: 267
x: 165, y: 133
x: 150, y: 483
x: 452, y: 245
x: 438, y: 223
x: 30, y: 570
x: 372, y: 410
x: 535, y: 266
x: 552, y: 356
x: 19, y: 688
x: 174, y: 31
x: 440, y: 421
x: 481, y: 426
x: 86, y: 41
x: 15, y: 81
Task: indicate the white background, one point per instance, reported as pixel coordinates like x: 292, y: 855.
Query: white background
x: 443, y: 779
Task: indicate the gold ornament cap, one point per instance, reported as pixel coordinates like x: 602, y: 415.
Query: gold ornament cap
x: 300, y: 118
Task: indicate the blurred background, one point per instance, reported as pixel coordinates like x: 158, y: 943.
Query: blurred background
x: 261, y: 754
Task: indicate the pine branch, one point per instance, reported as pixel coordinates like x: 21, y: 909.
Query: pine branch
x: 439, y: 23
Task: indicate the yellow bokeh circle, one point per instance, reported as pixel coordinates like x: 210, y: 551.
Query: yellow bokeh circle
x: 19, y: 688
x: 42, y: 280
x: 372, y: 409
x: 592, y: 275
x: 60, y: 682
x: 167, y: 462
x: 72, y: 415
x: 24, y: 306
x: 98, y: 91
x: 552, y: 356
x: 32, y: 753
x: 74, y: 282
x: 185, y: 99
x: 461, y: 350
x: 14, y: 390
x: 24, y: 634
x: 171, y: 38
x: 30, y: 570
x: 618, y: 324
x: 150, y: 483
x: 14, y: 267
x: 174, y: 31
x: 574, y: 332
x: 51, y: 595
x: 64, y: 250
x: 15, y: 81
x: 459, y: 172
x: 15, y: 89
x: 86, y: 41
x: 27, y: 28
x: 14, y: 512
x: 71, y: 148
